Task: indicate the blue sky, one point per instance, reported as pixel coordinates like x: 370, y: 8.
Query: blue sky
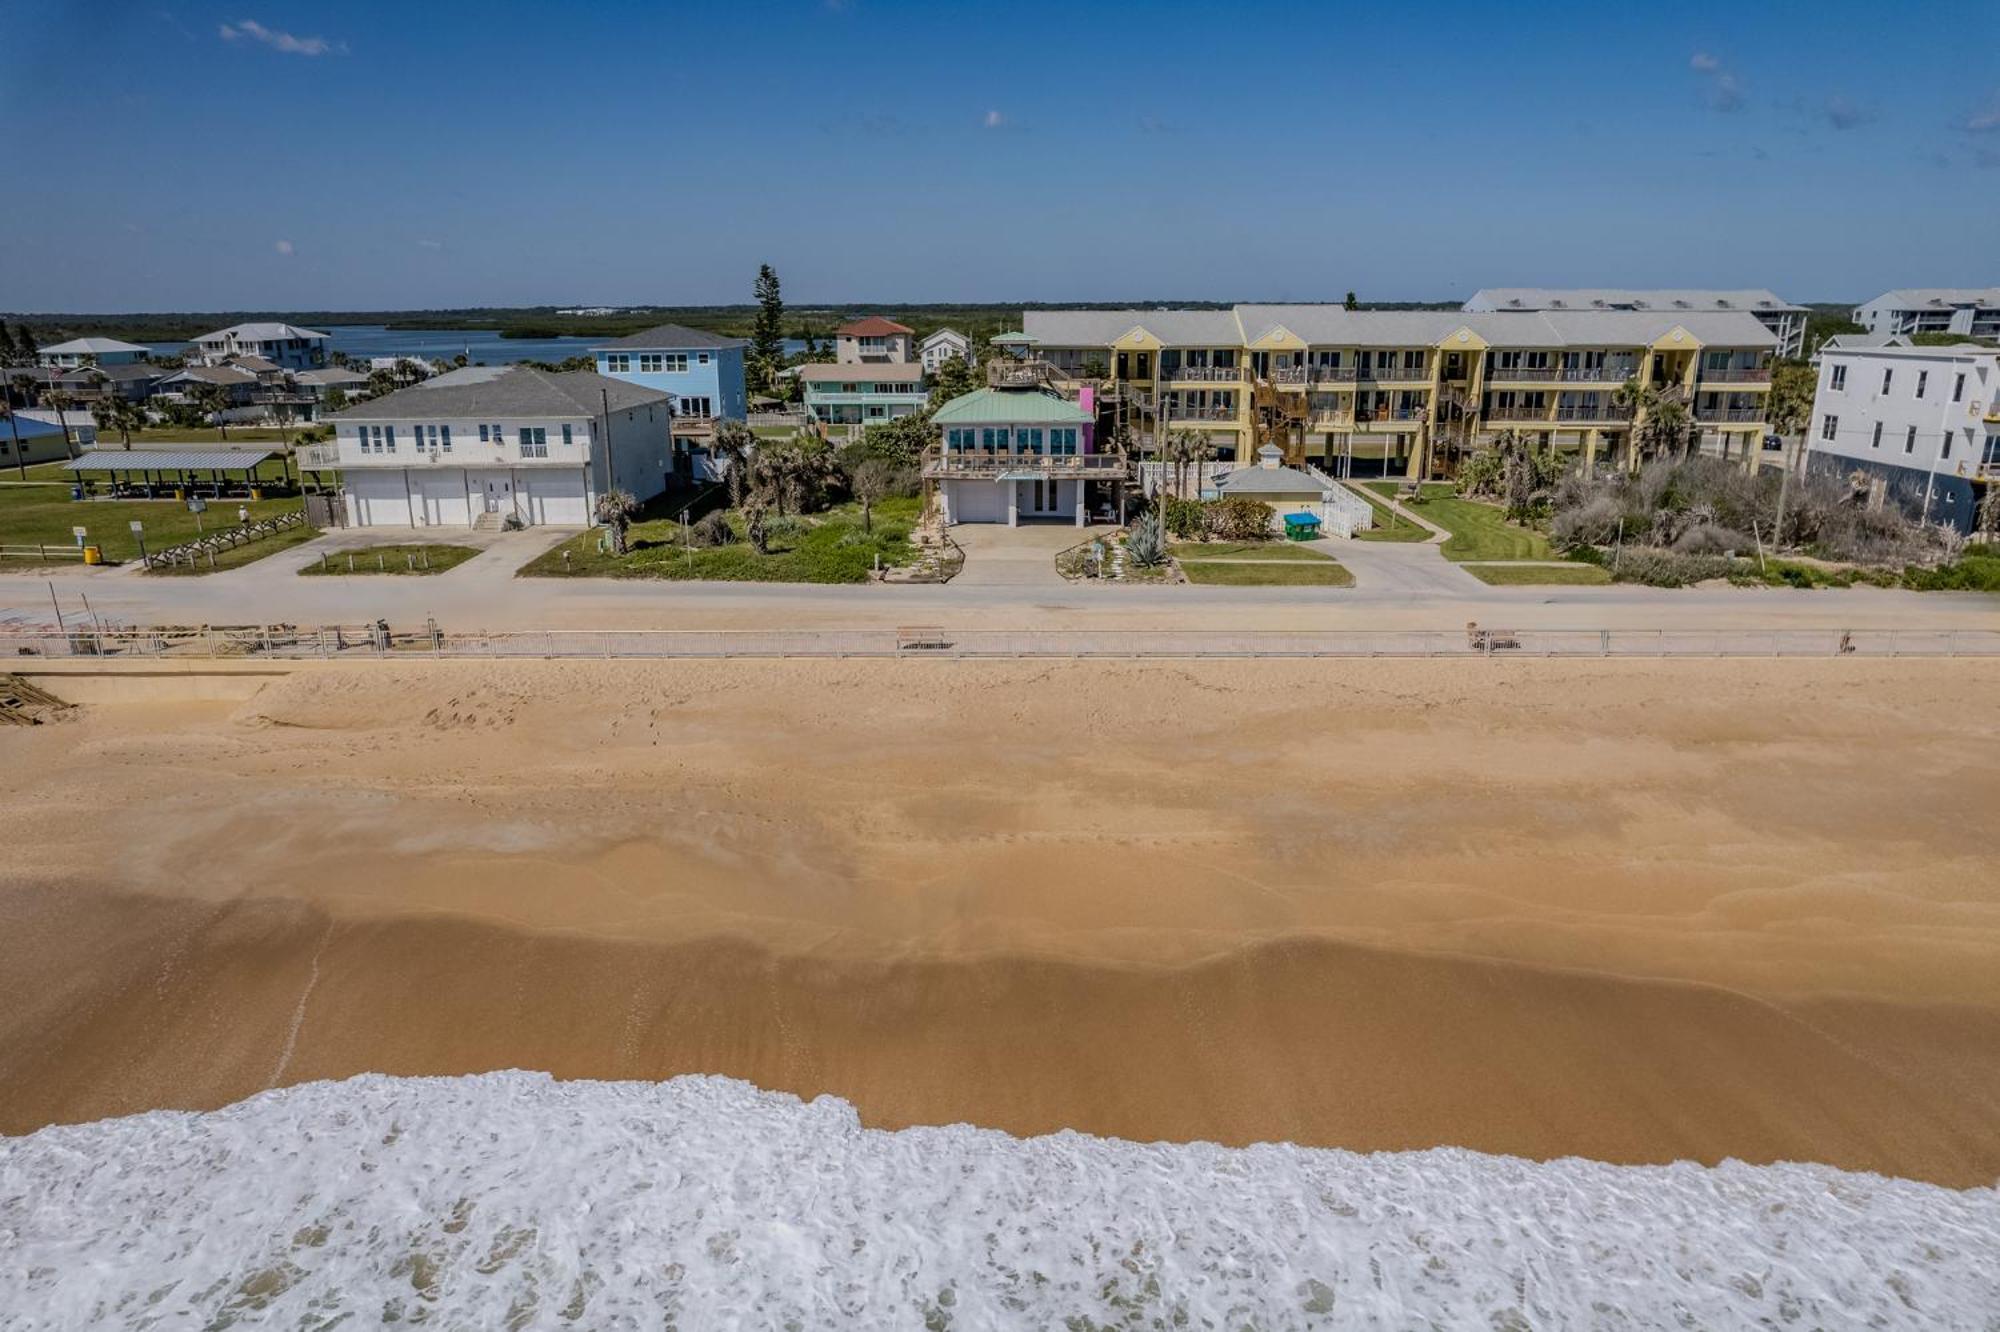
x: 427, y: 155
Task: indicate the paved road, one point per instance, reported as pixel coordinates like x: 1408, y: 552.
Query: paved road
x: 1396, y: 586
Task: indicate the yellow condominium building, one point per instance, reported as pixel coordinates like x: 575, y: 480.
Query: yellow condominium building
x: 1412, y: 391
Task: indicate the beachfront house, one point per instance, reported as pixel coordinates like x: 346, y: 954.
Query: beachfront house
x: 483, y: 445
x: 944, y: 345
x: 1015, y: 455
x: 93, y: 351
x: 1921, y: 425
x: 283, y: 345
x: 703, y: 371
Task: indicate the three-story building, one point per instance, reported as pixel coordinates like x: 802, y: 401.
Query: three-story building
x: 478, y: 446
x: 284, y: 345
x: 703, y: 372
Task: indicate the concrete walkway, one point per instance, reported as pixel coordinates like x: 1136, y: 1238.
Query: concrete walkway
x: 1437, y: 534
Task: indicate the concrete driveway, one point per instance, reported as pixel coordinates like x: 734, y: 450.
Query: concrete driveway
x: 997, y: 556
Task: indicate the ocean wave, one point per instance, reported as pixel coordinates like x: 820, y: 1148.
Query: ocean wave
x: 511, y: 1200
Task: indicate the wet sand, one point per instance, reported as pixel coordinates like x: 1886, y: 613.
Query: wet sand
x: 1638, y: 911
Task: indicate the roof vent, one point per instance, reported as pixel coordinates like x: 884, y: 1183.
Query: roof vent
x: 1721, y: 304
x: 1558, y: 305
x: 1680, y: 304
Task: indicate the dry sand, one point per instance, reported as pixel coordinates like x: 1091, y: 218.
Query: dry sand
x: 1636, y: 911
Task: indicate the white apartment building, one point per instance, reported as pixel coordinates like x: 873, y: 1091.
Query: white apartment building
x: 284, y: 345
x: 1923, y: 421
x: 1966, y: 311
x: 1786, y: 321
x: 476, y: 446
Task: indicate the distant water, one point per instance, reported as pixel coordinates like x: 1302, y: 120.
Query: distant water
x: 481, y: 345
x: 512, y: 1200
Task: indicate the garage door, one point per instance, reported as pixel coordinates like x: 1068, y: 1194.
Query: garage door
x: 377, y: 499
x: 978, y: 502
x: 440, y: 498
x: 553, y: 497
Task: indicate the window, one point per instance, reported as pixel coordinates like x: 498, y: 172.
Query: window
x: 1062, y: 440
x: 1958, y: 388
x: 568, y: 437
x: 1944, y: 449
x: 697, y: 408
x: 447, y: 437
x: 534, y: 442
x: 617, y: 363
x: 1888, y: 377
x: 649, y: 362
x: 483, y: 436
x: 1031, y: 439
x: 960, y: 438
x: 701, y: 358
x: 1828, y: 427
x: 497, y: 436
x: 1876, y: 442
x: 1839, y: 380
x: 1923, y: 381
x: 1910, y: 441
x: 996, y: 439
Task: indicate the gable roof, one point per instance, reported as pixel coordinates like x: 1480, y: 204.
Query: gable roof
x: 1255, y: 479
x: 521, y: 390
x: 93, y: 347
x: 872, y: 326
x: 84, y: 374
x: 947, y: 333
x: 261, y: 333
x: 331, y: 375
x: 1333, y: 325
x: 1665, y: 300
x: 212, y: 374
x: 997, y: 406
x: 886, y: 372
x: 670, y: 337
x: 1101, y: 328
x: 1918, y: 298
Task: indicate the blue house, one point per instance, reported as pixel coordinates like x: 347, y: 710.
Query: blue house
x: 703, y: 371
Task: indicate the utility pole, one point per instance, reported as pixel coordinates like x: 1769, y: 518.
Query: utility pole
x: 610, y: 466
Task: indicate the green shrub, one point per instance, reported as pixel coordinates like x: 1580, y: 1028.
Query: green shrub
x: 1972, y: 573
x: 1187, y: 519
x: 713, y: 530
x: 1144, y: 546
x: 1240, y: 518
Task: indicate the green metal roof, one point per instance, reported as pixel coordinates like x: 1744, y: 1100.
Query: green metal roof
x: 990, y: 406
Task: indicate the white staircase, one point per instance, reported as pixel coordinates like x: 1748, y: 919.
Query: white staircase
x: 489, y: 522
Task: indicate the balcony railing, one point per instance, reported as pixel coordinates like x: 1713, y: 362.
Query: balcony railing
x: 1206, y: 374
x: 1759, y: 375
x: 1394, y: 374
x: 1374, y: 415
x: 1201, y: 413
x: 1010, y: 373
x: 1291, y: 375
x: 1517, y: 412
x: 1593, y: 374
x: 1335, y: 374
x: 1611, y: 412
x: 996, y: 462
x: 1502, y: 374
x: 1728, y: 415
x: 319, y: 457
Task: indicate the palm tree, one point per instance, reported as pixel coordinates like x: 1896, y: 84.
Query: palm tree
x: 734, y: 442
x: 381, y: 382
x: 213, y: 400
x: 60, y: 402
x: 119, y: 413
x: 615, y: 509
x: 14, y: 428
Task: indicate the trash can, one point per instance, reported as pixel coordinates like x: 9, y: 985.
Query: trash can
x: 256, y: 492
x: 76, y: 492
x: 180, y: 492
x: 93, y: 554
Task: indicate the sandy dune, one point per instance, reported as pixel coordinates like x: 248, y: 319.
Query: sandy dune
x: 1630, y: 910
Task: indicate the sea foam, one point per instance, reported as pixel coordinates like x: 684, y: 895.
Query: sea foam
x: 511, y: 1200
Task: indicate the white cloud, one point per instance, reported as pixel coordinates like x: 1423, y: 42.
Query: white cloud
x: 1725, y: 90
x: 1987, y: 118
x: 431, y: 244
x: 252, y: 30
x: 283, y: 247
x: 1704, y: 63
x: 994, y: 120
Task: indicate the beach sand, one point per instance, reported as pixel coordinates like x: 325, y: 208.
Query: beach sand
x: 1635, y: 911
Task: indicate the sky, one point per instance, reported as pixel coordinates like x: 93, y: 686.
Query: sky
x: 409, y: 156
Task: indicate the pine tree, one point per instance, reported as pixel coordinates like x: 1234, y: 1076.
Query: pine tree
x: 1352, y: 304
x: 7, y: 352
x: 25, y: 348
x: 767, y: 335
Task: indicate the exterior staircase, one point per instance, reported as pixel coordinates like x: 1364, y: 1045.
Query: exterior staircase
x: 489, y: 522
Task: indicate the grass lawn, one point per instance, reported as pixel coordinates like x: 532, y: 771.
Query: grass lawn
x: 1519, y: 575
x: 237, y: 556
x: 1249, y: 550
x: 44, y: 514
x: 1478, y: 531
x: 1390, y: 525
x: 1320, y: 572
x: 391, y: 558
x: 827, y: 547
